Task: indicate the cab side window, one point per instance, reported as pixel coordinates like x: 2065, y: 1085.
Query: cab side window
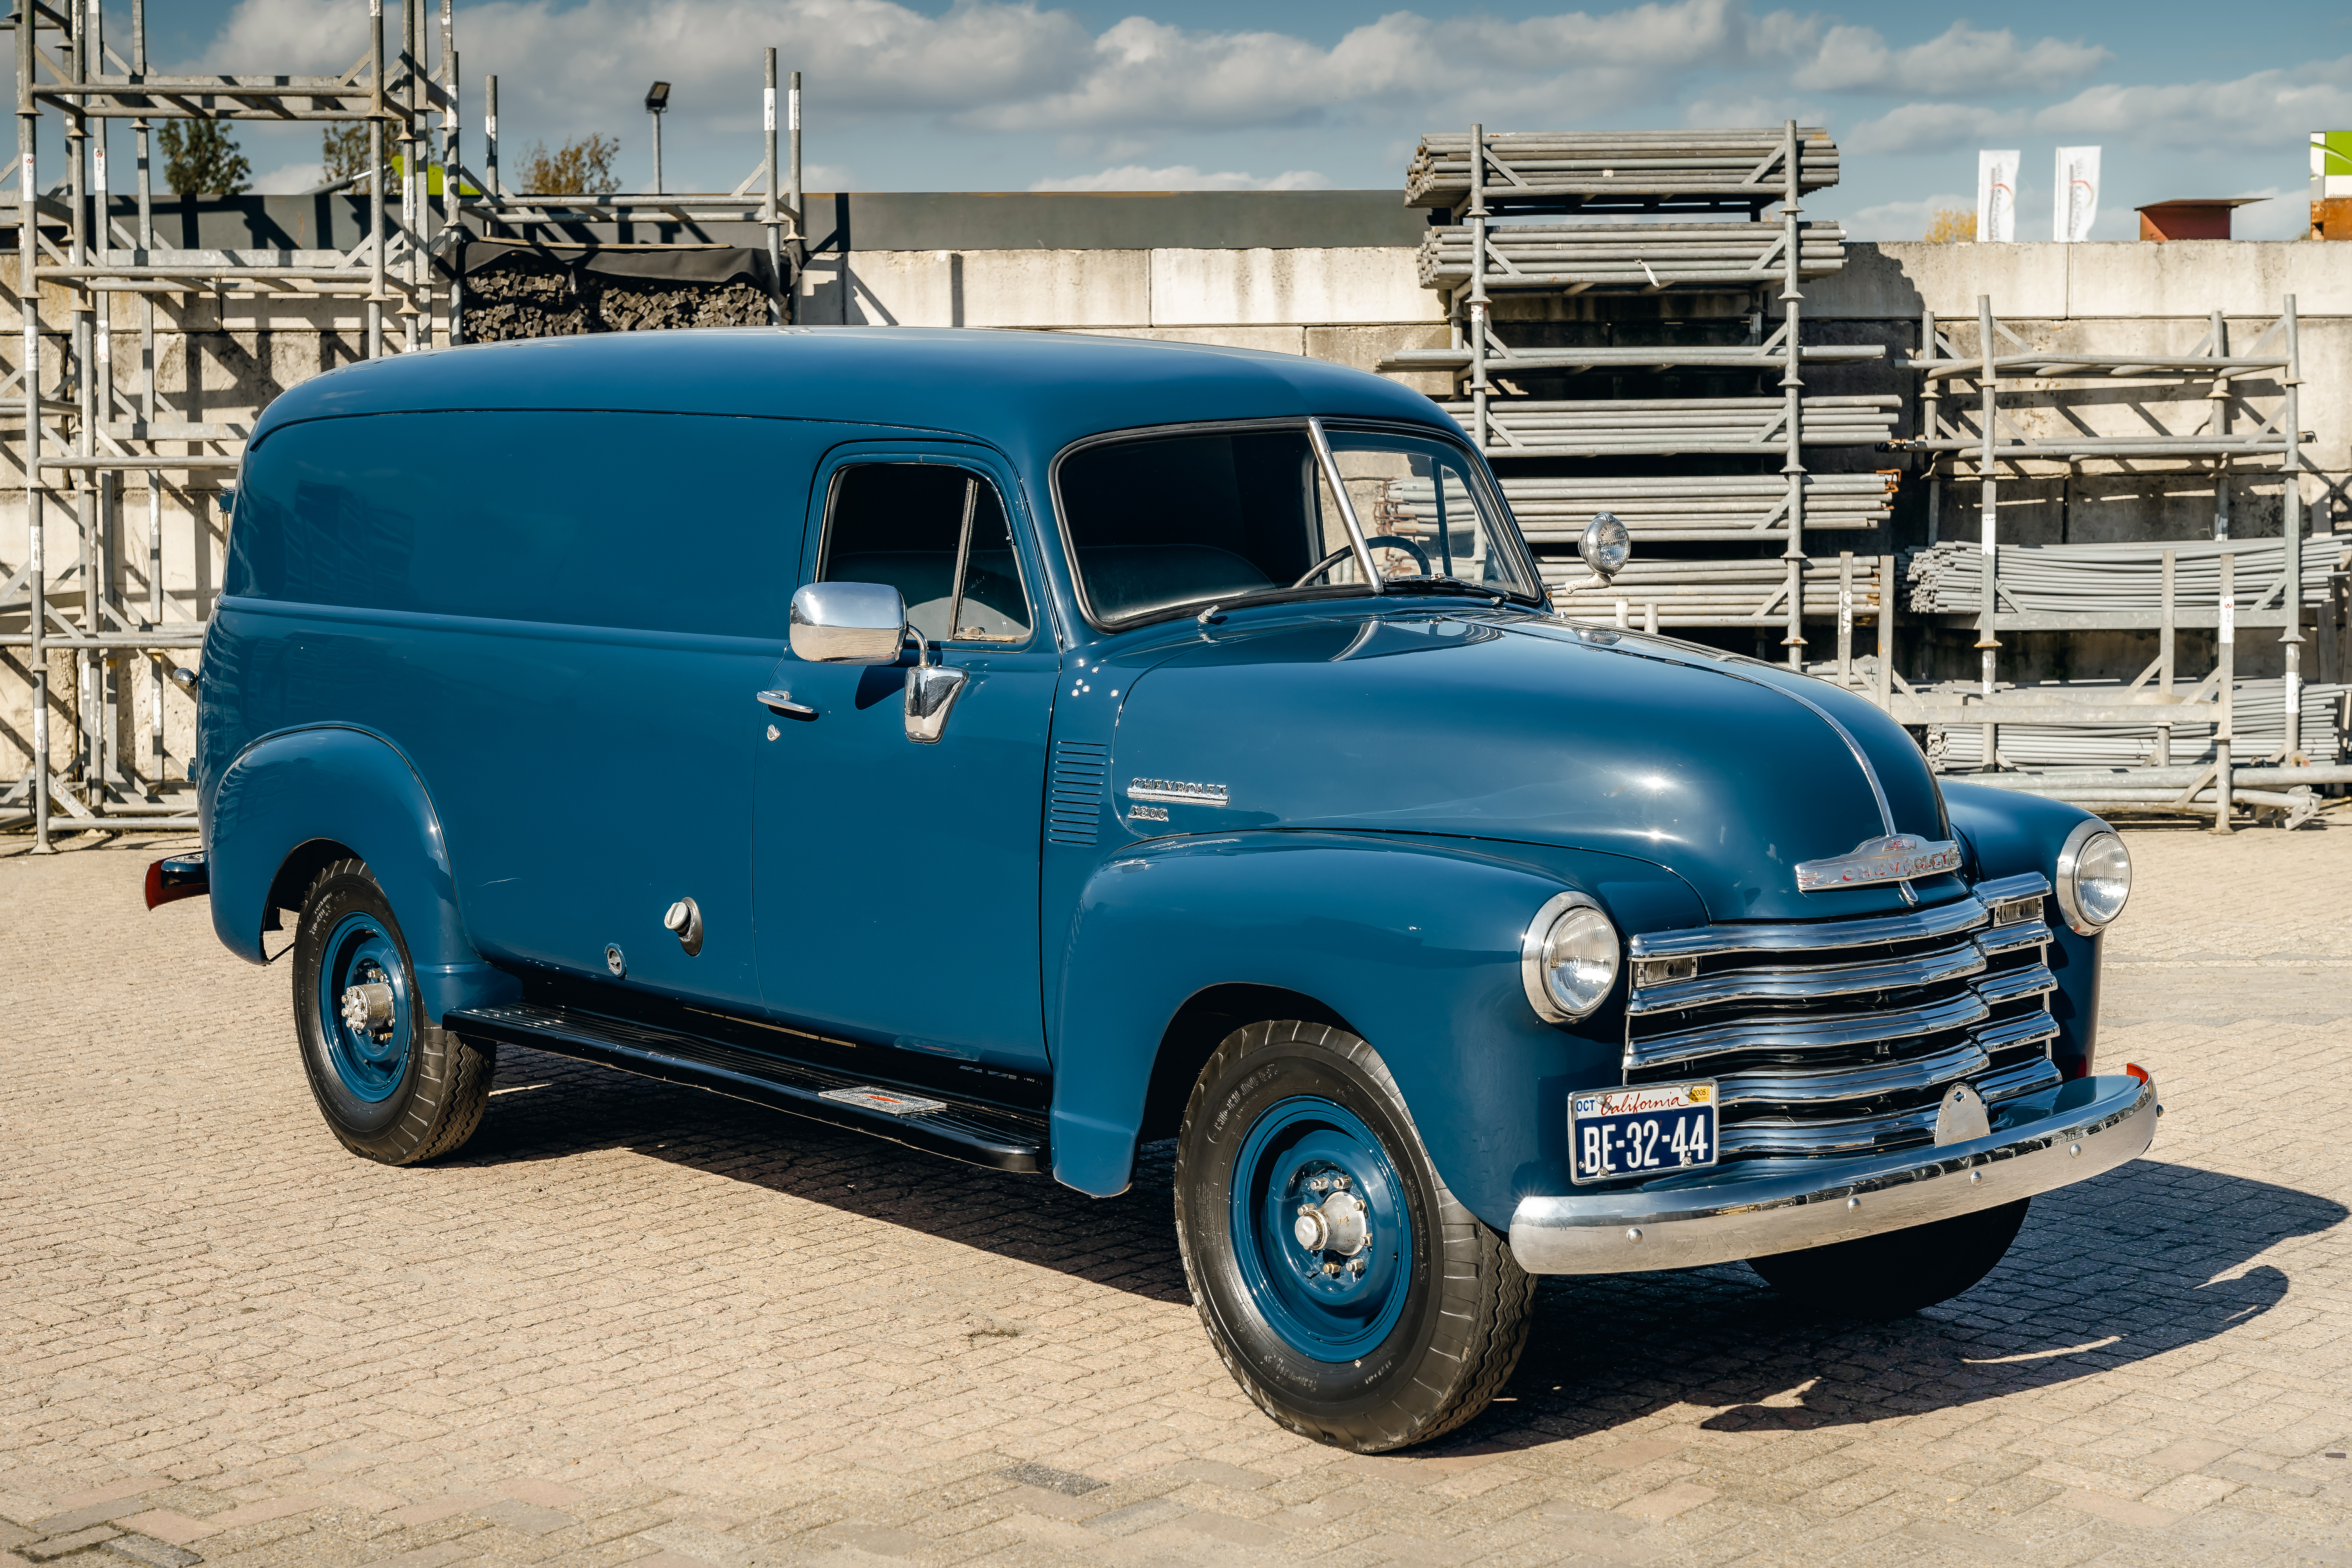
x: 939, y: 535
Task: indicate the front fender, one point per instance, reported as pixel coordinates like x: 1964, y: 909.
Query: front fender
x: 2007, y: 833
x: 353, y: 787
x: 1415, y: 941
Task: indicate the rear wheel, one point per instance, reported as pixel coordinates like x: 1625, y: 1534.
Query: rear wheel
x: 1348, y: 1291
x: 392, y: 1085
x: 1900, y: 1271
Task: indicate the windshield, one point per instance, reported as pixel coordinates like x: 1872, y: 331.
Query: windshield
x: 1164, y: 522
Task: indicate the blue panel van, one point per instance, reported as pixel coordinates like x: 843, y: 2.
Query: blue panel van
x: 637, y: 698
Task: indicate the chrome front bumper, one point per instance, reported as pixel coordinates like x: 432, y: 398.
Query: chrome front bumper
x: 1723, y: 1215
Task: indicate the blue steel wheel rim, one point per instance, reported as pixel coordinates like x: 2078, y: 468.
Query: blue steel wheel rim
x: 370, y: 1062
x: 1322, y: 1313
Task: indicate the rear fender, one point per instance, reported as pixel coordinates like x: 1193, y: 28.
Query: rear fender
x: 337, y: 784
x: 2010, y: 833
x: 1414, y: 942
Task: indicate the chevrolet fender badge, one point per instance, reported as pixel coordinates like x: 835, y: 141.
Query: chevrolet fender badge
x: 1176, y: 791
x: 1898, y: 857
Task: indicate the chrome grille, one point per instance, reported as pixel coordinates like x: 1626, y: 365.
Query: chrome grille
x: 1841, y: 1038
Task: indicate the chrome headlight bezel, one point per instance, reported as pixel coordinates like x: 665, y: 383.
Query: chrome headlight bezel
x: 1536, y: 943
x: 2071, y: 855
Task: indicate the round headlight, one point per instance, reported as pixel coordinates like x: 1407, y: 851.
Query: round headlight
x: 2093, y: 877
x: 1568, y: 960
x: 1606, y: 546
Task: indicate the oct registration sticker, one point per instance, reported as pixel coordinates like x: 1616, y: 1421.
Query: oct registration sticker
x: 1641, y: 1131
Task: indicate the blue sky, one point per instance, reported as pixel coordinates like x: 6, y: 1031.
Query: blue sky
x: 984, y: 95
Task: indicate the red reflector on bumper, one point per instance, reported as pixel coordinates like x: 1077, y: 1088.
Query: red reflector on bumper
x: 178, y: 876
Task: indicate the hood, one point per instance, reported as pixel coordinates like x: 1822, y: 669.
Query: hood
x: 1725, y: 772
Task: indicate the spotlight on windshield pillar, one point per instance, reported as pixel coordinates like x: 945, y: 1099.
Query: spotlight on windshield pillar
x: 657, y: 105
x: 1606, y: 546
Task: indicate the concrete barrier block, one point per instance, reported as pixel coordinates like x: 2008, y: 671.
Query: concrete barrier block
x: 2197, y: 277
x: 984, y: 288
x: 2022, y: 279
x: 1354, y: 285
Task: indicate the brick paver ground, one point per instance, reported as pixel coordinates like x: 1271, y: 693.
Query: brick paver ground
x: 637, y: 1323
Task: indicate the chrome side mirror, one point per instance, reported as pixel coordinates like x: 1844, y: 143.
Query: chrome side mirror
x: 1606, y: 546
x: 931, y: 692
x: 848, y: 623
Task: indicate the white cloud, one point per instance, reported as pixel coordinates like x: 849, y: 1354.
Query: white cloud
x: 2266, y: 108
x: 1902, y: 220
x: 292, y: 179
x: 1185, y: 177
x: 1961, y: 61
x: 1928, y: 127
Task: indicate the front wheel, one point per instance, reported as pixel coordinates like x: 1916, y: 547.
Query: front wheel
x: 1346, y: 1289
x: 1898, y: 1272
x: 392, y: 1085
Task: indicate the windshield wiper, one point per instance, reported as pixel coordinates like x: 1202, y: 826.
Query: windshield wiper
x: 1427, y: 584
x: 1222, y: 602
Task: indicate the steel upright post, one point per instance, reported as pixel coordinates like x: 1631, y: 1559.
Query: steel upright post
x: 78, y: 313
x: 2219, y: 426
x: 29, y: 299
x: 1987, y: 517
x: 1479, y: 385
x: 768, y: 210
x: 452, y: 192
x: 375, y: 181
x: 411, y: 178
x: 142, y: 132
x: 2226, y: 621
x: 491, y: 137
x: 793, y: 194
x: 1931, y: 423
x: 1792, y: 389
x: 2164, y: 654
x: 1887, y: 633
x: 2291, y: 465
x: 1845, y: 618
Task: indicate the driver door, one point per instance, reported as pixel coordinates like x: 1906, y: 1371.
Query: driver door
x: 895, y: 882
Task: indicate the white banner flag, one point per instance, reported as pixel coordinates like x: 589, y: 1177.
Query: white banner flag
x: 2077, y: 205
x: 1997, y: 196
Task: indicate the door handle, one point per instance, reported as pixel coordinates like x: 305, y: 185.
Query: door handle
x: 782, y: 701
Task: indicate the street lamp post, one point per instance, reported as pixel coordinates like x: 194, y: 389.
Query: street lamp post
x: 657, y: 105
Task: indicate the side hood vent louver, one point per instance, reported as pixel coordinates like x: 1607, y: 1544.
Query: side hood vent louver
x: 1073, y: 798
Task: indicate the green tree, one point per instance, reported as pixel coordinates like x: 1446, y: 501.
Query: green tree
x: 583, y: 167
x: 201, y: 159
x: 343, y: 148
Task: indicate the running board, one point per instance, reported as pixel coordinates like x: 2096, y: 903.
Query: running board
x: 999, y: 1137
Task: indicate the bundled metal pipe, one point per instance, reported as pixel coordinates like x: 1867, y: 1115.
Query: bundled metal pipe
x: 1946, y: 578
x: 1667, y: 508
x: 1613, y: 426
x: 1595, y: 167
x: 1645, y: 256
x: 1698, y: 593
x: 2257, y: 726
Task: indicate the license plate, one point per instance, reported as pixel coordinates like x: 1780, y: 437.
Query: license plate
x: 1646, y: 1131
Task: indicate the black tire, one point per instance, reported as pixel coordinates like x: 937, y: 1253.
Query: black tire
x: 1460, y: 1314
x: 428, y: 1098
x: 1899, y: 1272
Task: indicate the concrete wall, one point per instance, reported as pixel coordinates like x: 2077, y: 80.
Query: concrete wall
x: 1325, y: 274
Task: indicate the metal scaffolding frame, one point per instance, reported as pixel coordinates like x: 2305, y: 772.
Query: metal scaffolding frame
x: 2002, y: 359
x: 105, y: 419
x: 1477, y: 179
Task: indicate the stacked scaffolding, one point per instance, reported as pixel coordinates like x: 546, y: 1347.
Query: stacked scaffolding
x: 1646, y: 214
x: 92, y: 416
x: 2158, y: 586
